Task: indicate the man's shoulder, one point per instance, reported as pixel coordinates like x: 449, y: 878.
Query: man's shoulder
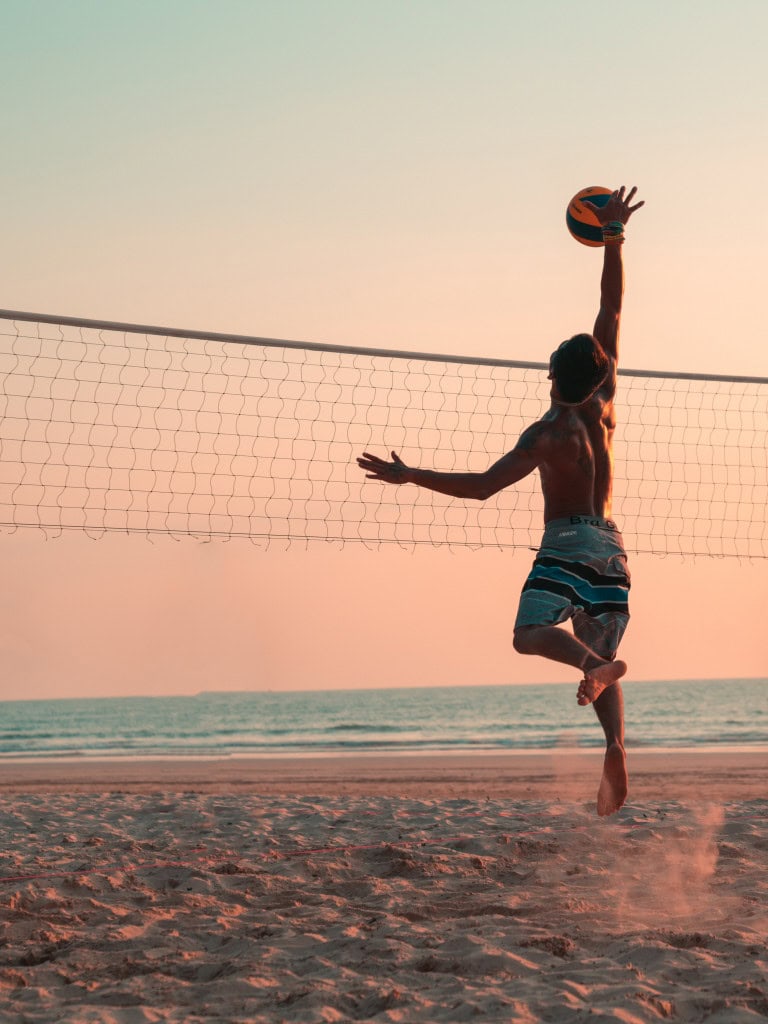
x: 536, y: 436
x: 535, y: 433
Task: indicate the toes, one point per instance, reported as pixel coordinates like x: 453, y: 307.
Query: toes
x: 583, y: 694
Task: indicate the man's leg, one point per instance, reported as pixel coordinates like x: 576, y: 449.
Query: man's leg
x: 559, y: 645
x: 609, y: 708
x: 614, y: 784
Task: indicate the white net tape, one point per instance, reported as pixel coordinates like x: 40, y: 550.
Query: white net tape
x: 113, y: 427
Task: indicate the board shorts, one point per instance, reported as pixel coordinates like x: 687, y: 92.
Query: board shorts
x: 580, y: 573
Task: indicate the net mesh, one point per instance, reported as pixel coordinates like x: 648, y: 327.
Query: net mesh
x: 114, y: 428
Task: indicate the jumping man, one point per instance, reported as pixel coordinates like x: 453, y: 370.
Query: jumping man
x: 580, y: 571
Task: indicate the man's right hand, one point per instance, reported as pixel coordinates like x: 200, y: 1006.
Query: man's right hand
x: 617, y: 207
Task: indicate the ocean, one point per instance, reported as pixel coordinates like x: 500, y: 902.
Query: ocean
x: 458, y: 719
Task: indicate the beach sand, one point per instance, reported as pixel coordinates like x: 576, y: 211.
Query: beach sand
x: 409, y: 889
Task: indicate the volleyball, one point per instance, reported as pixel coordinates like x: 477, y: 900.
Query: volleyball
x: 582, y: 222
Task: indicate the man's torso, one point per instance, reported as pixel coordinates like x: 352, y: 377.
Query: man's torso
x: 576, y: 470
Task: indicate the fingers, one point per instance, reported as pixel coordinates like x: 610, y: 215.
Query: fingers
x: 373, y: 472
x: 617, y: 208
x: 625, y: 201
x: 376, y: 468
x: 376, y: 458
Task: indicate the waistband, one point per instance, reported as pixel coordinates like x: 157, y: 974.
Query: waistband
x: 596, y: 521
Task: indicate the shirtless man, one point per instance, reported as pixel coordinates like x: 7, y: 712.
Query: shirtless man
x: 580, y: 571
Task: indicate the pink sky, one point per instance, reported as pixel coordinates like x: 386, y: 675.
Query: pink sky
x: 123, y: 615
x: 379, y: 175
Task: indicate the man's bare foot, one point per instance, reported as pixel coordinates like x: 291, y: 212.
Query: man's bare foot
x: 597, y: 679
x: 613, y: 785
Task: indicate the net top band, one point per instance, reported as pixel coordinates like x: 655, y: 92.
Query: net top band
x: 244, y: 339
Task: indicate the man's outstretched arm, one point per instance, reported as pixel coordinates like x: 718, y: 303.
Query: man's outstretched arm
x: 613, y: 216
x: 510, y: 468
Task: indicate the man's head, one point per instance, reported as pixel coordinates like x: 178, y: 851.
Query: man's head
x: 578, y: 368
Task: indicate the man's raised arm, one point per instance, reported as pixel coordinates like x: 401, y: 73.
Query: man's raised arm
x: 613, y: 216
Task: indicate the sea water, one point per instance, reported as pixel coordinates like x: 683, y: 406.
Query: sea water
x: 460, y: 719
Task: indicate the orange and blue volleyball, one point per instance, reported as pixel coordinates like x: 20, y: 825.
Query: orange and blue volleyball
x: 582, y: 222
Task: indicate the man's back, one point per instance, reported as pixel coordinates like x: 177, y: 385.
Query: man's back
x: 576, y: 468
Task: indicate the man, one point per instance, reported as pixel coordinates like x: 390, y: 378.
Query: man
x: 580, y: 572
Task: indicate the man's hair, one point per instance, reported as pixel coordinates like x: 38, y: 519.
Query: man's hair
x: 579, y: 367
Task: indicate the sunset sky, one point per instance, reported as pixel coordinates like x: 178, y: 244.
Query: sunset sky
x: 376, y: 174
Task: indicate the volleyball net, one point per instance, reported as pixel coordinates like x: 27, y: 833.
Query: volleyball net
x: 119, y: 427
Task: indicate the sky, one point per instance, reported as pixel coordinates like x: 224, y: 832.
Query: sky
x: 386, y: 175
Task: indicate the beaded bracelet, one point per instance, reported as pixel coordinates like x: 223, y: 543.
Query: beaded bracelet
x: 613, y: 227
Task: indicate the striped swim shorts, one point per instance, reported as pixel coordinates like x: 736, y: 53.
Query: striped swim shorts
x: 580, y: 573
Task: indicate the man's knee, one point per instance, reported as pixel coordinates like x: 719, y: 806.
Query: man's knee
x: 523, y: 639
